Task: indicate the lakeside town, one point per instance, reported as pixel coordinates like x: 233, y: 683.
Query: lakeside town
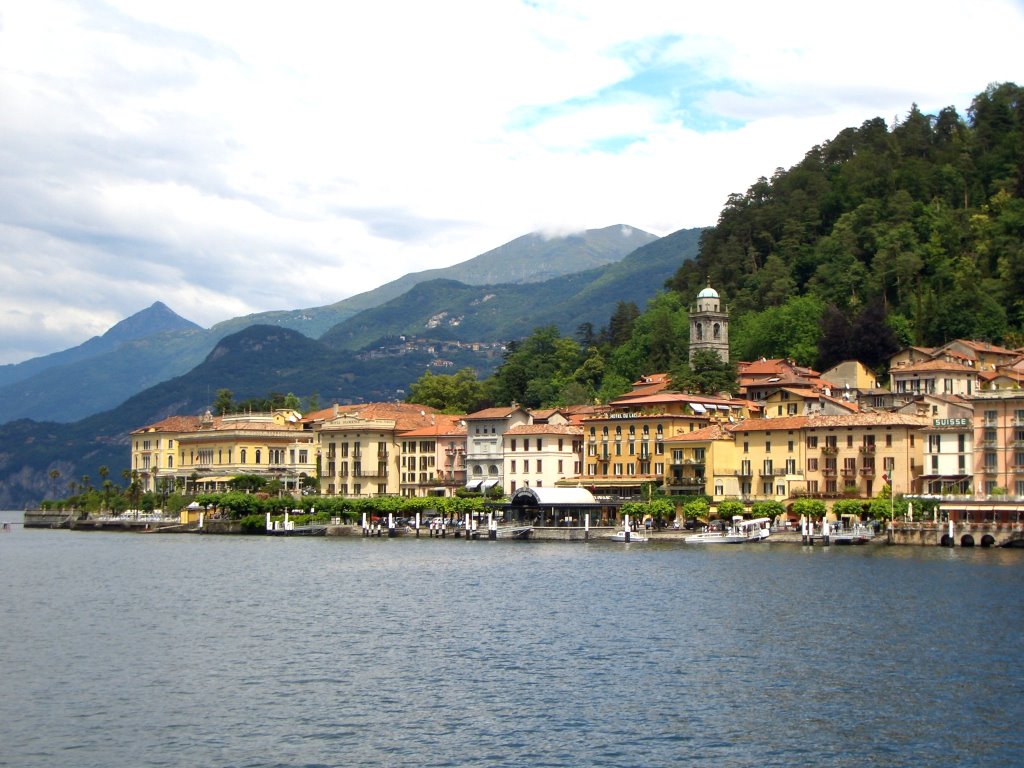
x: 945, y: 438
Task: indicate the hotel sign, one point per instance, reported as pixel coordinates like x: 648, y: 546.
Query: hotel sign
x: 951, y: 422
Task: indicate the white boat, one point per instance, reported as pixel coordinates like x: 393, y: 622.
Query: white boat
x: 633, y: 536
x: 740, y: 532
x: 858, y: 534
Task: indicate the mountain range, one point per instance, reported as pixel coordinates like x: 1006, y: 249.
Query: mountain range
x: 374, y: 354
x: 155, y: 344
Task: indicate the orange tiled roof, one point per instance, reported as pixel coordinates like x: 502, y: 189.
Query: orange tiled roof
x: 443, y: 424
x: 500, y: 412
x: 932, y: 365
x: 863, y: 419
x: 174, y: 424
x: 710, y: 432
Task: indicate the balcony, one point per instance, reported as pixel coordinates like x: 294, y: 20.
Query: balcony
x: 370, y: 473
x: 830, y: 450
x: 743, y: 472
x: 867, y: 471
x: 870, y: 448
x: 848, y: 471
x: 829, y: 472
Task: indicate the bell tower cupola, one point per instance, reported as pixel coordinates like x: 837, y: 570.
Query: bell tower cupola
x: 709, y: 324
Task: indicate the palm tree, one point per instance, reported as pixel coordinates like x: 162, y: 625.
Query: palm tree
x: 54, y: 476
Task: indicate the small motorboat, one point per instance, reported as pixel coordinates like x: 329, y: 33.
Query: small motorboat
x: 633, y: 536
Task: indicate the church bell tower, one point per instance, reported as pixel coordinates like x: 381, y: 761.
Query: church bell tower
x: 709, y: 324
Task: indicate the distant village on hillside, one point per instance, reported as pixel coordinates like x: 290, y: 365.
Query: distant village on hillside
x: 950, y: 423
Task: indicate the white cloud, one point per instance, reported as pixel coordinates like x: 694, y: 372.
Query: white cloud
x: 168, y: 151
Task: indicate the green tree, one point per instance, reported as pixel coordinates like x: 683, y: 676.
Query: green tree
x: 458, y: 393
x: 707, y: 374
x: 224, y: 403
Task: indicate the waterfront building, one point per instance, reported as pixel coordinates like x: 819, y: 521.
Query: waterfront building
x: 699, y: 462
x: 485, y: 430
x: 824, y: 456
x: 433, y: 458
x: 625, y: 446
x: 205, y: 453
x: 948, y: 444
x: 360, y: 446
x: 154, y: 449
x: 709, y: 325
x: 541, y: 455
x: 999, y: 436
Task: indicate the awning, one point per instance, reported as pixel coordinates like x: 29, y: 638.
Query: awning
x: 489, y: 483
x: 473, y: 485
x: 698, y: 407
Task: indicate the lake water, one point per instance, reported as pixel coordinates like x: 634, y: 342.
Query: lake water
x: 183, y: 650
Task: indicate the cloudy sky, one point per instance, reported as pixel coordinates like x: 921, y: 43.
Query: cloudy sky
x: 233, y: 157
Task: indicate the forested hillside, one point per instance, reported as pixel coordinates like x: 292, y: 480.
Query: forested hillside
x: 881, y: 237
x: 921, y: 224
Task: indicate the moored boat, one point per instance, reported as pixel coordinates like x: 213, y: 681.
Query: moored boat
x: 740, y: 532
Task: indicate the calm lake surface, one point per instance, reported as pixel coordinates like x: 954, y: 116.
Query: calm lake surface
x: 182, y: 650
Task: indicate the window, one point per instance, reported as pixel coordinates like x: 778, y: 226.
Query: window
x: 540, y: 468
x: 526, y: 465
x: 512, y: 467
x: 812, y: 442
x: 257, y: 456
x: 513, y: 446
x: 812, y: 465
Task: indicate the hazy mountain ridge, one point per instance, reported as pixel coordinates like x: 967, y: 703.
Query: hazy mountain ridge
x: 156, y: 344
x: 155, y: 319
x: 446, y: 309
x: 529, y: 258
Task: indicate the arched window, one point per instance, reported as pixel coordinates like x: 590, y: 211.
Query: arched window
x: 700, y: 331
x: 618, y: 429
x: 257, y: 455
x: 718, y: 331
x: 244, y: 454
x: 477, y: 470
x: 493, y: 469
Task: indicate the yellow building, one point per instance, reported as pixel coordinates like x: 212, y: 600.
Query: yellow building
x: 273, y: 446
x: 361, y: 446
x: 697, y: 458
x: 625, y: 447
x: 154, y: 448
x: 824, y: 456
x: 204, y: 453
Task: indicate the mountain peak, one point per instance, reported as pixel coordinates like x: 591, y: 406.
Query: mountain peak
x: 156, y: 318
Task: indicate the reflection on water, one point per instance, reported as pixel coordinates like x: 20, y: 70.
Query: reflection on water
x: 153, y: 650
